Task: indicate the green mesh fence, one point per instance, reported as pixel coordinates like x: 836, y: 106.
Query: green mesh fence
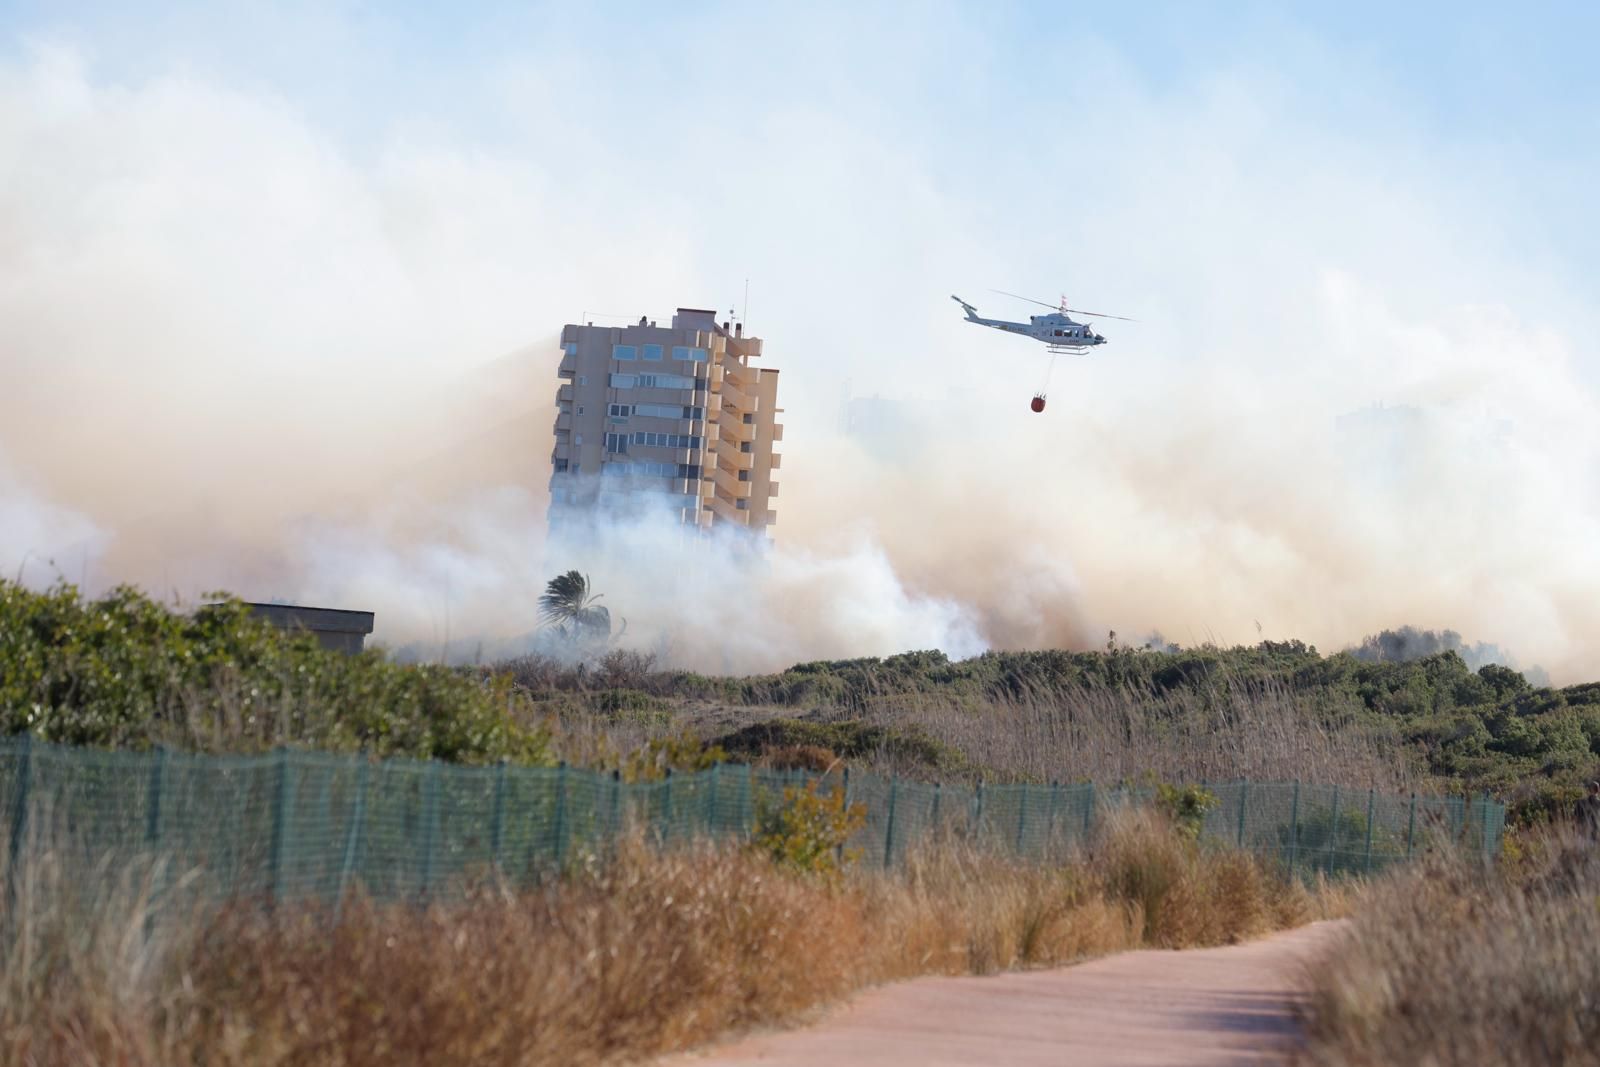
x: 302, y: 823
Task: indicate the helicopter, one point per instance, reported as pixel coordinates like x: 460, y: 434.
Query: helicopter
x: 1060, y: 333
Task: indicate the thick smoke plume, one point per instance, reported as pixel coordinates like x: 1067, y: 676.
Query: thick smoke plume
x: 239, y: 354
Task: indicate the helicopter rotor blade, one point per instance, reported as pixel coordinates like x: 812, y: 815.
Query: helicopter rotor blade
x: 1029, y: 299
x: 1098, y: 315
x: 1058, y: 307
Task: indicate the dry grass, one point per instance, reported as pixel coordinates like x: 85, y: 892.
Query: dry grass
x: 638, y: 954
x: 1262, y: 732
x: 1457, y: 963
x: 1265, y: 733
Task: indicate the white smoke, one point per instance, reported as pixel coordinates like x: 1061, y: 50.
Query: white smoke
x: 239, y: 352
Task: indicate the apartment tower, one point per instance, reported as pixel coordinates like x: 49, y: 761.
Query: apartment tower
x: 675, y: 421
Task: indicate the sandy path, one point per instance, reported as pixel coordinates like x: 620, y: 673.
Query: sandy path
x: 1209, y: 1006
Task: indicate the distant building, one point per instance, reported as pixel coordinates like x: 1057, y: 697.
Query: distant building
x: 336, y: 629
x: 672, y: 420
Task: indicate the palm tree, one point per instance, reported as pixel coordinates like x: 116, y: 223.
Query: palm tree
x: 568, y: 607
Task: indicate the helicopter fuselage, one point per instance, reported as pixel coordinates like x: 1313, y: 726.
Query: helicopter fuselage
x: 1056, y: 329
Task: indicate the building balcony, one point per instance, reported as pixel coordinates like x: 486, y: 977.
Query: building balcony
x: 564, y: 395
x: 730, y: 487
x: 777, y: 460
x: 568, y: 367
x: 736, y: 429
x: 564, y: 421
x: 736, y: 398
x: 772, y: 489
x: 777, y: 431
x: 726, y: 512
x: 745, y: 346
x: 731, y: 457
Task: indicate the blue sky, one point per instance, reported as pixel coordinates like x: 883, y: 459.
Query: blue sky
x: 1309, y: 209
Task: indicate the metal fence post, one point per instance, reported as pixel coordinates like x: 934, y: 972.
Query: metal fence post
x: 352, y: 841
x: 19, y: 812
x: 561, y: 811
x: 938, y: 792
x: 1022, y: 815
x: 709, y: 818
x: 430, y: 824
x: 1088, y: 812
x: 747, y: 802
x: 1050, y: 822
x: 1411, y: 825
x: 672, y: 813
x: 977, y: 817
x: 888, y: 834
x: 497, y: 818
x: 152, y: 821
x: 1294, y: 825
x: 1372, y: 795
x: 1333, y: 829
x: 280, y: 823
x: 1244, y: 799
x: 616, y: 806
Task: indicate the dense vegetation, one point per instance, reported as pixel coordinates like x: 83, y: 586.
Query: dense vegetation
x: 126, y: 671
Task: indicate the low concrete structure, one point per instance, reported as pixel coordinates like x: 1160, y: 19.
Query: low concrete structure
x: 336, y: 629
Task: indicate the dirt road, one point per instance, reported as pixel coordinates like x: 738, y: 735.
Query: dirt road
x: 1200, y: 1007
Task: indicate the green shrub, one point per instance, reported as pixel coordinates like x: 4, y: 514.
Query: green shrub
x: 124, y: 671
x: 1186, y: 806
x: 807, y: 830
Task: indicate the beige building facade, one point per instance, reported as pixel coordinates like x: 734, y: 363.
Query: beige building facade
x: 675, y: 421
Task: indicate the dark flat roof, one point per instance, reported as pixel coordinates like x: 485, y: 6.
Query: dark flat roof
x: 337, y: 620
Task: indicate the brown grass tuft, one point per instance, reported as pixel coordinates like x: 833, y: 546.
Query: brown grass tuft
x: 1458, y: 962
x: 624, y: 957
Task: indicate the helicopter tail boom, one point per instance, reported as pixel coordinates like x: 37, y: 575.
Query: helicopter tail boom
x: 972, y: 312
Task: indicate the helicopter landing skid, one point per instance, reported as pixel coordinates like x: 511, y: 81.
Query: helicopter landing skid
x: 1065, y: 350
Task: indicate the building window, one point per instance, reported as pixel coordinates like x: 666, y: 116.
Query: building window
x: 580, y: 409
x: 616, y: 443
x: 746, y: 446
x: 623, y: 352
x: 744, y: 476
x: 749, y: 419
x: 577, y: 438
x: 624, y: 381
x: 665, y: 381
x: 570, y: 348
x: 698, y: 355
x: 560, y: 466
x: 643, y: 468
x: 651, y: 352
x: 619, y: 411
x: 583, y: 379
x: 742, y: 505
x: 664, y: 440
x: 669, y: 411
